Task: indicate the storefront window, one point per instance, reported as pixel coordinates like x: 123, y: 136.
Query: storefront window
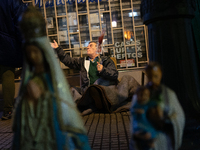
x: 74, y: 24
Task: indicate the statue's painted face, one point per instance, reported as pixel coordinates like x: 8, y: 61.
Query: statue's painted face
x: 34, y: 55
x: 155, y: 76
x: 143, y: 96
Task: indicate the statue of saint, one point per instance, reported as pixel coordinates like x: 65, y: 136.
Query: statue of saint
x: 45, y: 115
x: 141, y: 126
x: 169, y: 123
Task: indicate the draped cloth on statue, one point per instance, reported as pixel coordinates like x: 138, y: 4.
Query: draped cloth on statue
x: 57, y: 123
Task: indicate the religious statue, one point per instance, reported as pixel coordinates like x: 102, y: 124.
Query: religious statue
x: 139, y: 121
x: 45, y: 116
x: 168, y: 118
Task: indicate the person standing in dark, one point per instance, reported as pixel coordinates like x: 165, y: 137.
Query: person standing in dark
x: 10, y: 52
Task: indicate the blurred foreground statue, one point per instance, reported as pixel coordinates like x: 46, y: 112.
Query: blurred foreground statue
x: 45, y: 115
x: 139, y: 122
x: 167, y: 116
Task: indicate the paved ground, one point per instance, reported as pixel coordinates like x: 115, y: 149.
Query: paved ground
x: 105, y: 131
x: 110, y: 132
x: 5, y: 134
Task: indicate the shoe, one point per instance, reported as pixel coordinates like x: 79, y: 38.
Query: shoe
x: 86, y: 112
x: 6, y: 116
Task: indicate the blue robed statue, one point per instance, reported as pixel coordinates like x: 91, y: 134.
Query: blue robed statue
x: 45, y: 115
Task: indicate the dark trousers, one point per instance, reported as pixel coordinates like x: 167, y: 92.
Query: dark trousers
x: 8, y: 86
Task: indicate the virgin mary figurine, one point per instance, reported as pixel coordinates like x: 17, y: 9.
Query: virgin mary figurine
x: 45, y: 118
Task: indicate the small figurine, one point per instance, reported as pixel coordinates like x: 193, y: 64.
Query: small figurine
x: 140, y: 123
x: 46, y: 117
x: 169, y: 122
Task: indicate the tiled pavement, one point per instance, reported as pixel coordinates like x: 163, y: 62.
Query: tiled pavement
x: 5, y: 134
x: 110, y: 132
x: 105, y: 131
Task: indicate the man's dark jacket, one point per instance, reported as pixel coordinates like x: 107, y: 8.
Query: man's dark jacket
x: 10, y: 37
x: 109, y: 73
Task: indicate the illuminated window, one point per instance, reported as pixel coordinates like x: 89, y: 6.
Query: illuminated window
x: 74, y: 24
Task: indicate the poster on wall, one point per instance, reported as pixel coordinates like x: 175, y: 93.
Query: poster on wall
x: 130, y: 53
x: 94, y: 18
x: 50, y: 22
x: 72, y: 19
x: 96, y: 34
x: 63, y: 35
x: 130, y: 63
x: 76, y: 49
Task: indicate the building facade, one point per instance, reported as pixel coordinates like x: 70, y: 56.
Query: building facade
x: 73, y: 23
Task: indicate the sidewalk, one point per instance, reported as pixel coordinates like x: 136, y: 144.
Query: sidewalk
x: 5, y: 134
x: 105, y: 131
x: 110, y: 132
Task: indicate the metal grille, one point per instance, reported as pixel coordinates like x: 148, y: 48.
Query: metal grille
x: 74, y: 25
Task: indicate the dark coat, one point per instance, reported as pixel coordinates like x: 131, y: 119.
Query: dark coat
x: 10, y: 37
x: 109, y: 98
x: 109, y: 73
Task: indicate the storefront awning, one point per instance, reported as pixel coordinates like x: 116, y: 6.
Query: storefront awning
x: 60, y: 2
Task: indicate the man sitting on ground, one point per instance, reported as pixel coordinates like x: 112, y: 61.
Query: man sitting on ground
x: 93, y: 68
x: 100, y: 90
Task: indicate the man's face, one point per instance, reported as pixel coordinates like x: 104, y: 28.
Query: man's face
x: 92, y: 49
x: 154, y: 76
